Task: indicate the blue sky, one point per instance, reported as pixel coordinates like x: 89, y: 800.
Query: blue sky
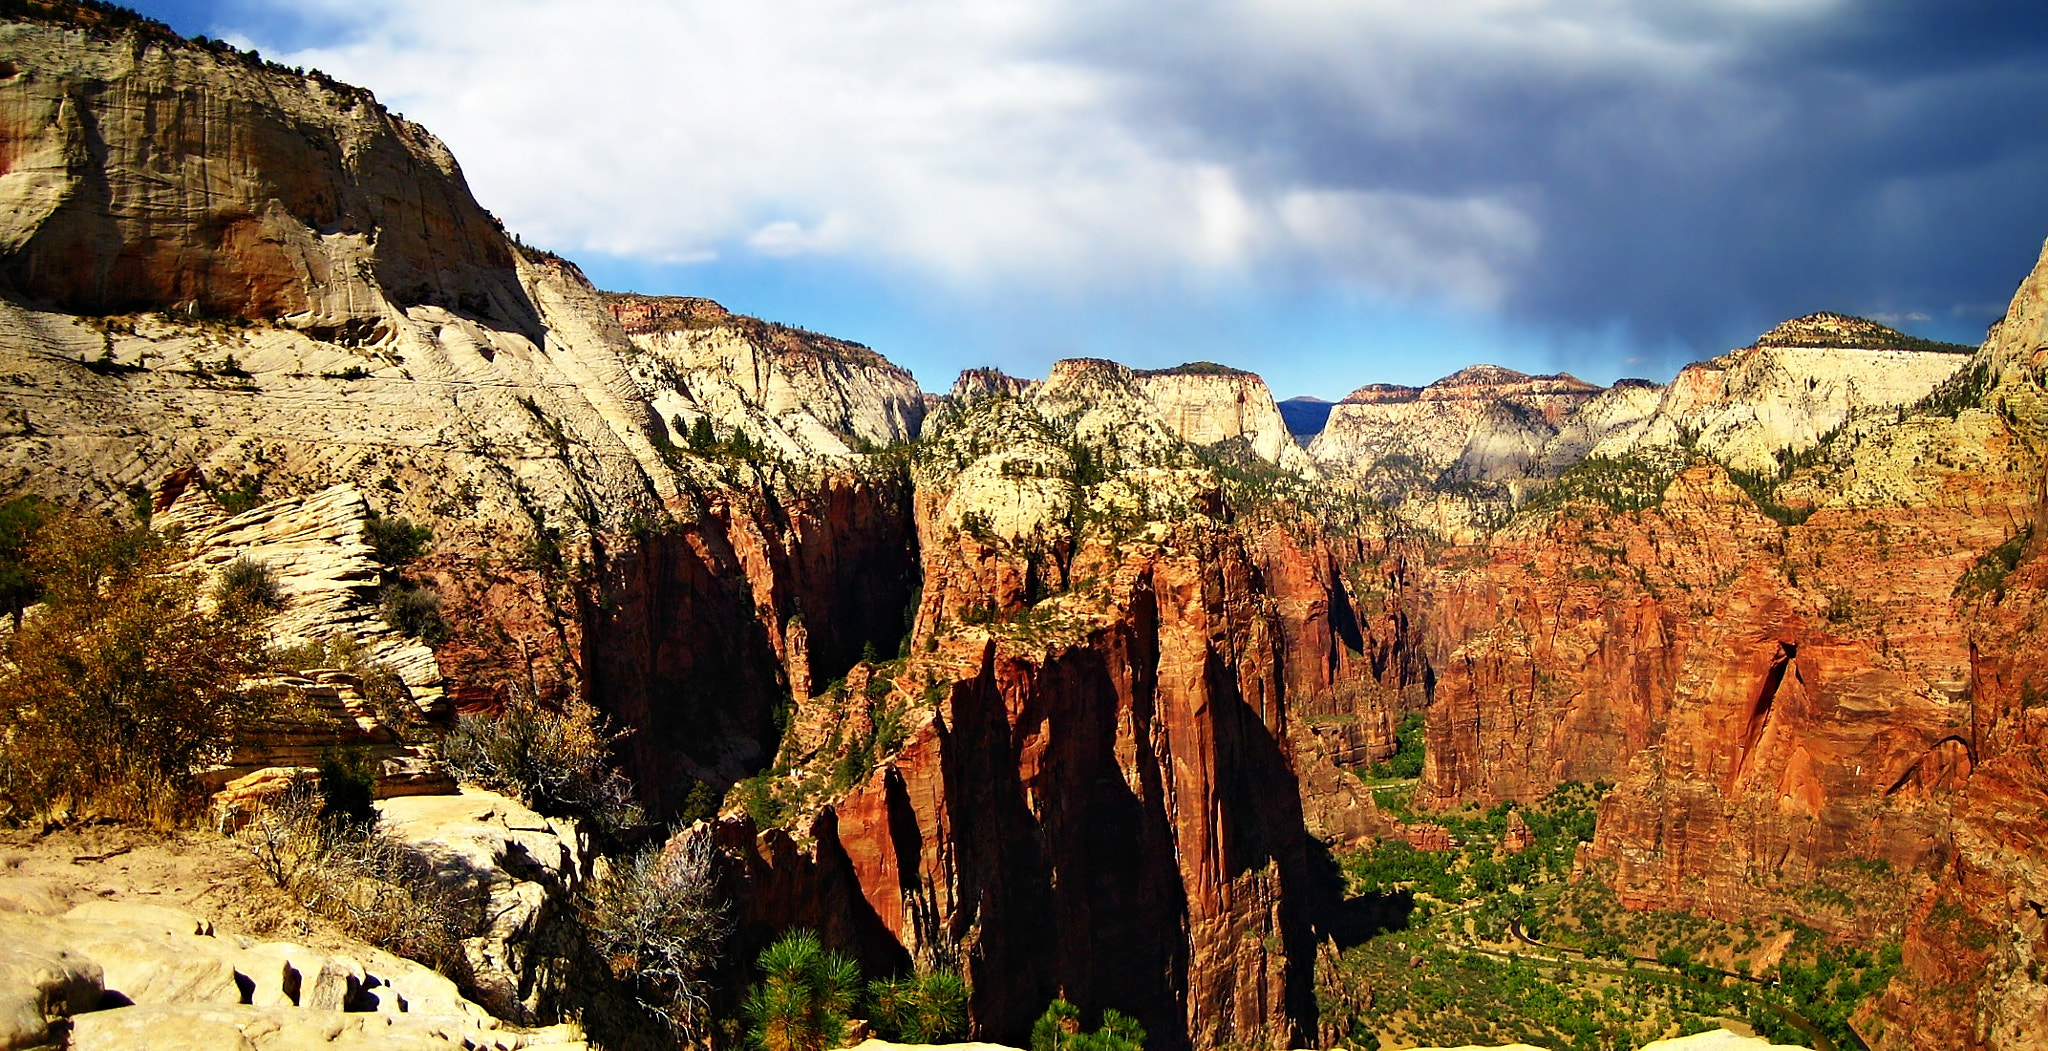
x: 1329, y: 193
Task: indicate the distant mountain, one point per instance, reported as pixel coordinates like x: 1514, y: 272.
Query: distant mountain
x: 1305, y: 417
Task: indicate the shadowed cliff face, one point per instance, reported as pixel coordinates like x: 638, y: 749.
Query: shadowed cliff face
x: 702, y: 633
x: 1113, y: 815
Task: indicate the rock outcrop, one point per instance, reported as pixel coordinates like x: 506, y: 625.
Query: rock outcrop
x: 107, y: 975
x: 313, y: 203
x: 1460, y: 456
x: 1207, y: 404
x: 803, y: 393
x: 1105, y: 751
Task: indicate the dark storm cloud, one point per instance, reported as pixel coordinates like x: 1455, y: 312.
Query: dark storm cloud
x: 1696, y: 172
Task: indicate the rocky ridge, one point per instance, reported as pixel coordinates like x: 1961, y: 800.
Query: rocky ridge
x: 1460, y: 456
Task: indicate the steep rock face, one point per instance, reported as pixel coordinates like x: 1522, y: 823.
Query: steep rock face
x: 1773, y: 701
x: 1206, y: 404
x: 1486, y: 422
x: 1972, y: 976
x: 314, y: 204
x: 1113, y: 816
x: 1460, y: 456
x: 809, y: 394
x: 1456, y: 456
x: 706, y: 631
x: 1744, y: 407
x: 1111, y: 748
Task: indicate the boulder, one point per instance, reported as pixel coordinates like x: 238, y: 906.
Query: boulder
x: 39, y: 984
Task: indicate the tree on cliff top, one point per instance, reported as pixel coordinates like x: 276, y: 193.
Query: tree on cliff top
x: 119, y: 685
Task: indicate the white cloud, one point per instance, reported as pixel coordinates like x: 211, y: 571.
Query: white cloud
x: 980, y: 141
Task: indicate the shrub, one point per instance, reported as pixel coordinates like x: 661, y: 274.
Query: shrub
x: 557, y: 762
x: 19, y: 520
x: 804, y: 996
x: 415, y: 611
x: 657, y: 922
x: 1987, y: 575
x: 247, y: 585
x: 1059, y: 1029
x: 119, y: 686
x: 1406, y: 762
x: 395, y: 541
x: 368, y: 883
x: 926, y: 1008
x: 348, y: 788
x: 236, y: 493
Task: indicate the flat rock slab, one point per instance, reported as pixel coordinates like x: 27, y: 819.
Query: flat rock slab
x: 242, y: 1027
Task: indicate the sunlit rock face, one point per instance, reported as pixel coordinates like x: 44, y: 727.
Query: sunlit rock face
x: 1461, y: 456
x: 1799, y: 381
x: 813, y: 394
x: 264, y: 284
x: 313, y: 204
x: 1206, y: 404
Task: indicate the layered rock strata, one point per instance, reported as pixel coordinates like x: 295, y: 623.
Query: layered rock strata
x: 1107, y: 760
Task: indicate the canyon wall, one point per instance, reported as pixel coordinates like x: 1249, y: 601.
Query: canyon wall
x: 1114, y: 722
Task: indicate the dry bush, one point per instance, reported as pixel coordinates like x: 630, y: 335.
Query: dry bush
x: 118, y: 685
x: 657, y: 923
x: 369, y: 884
x: 557, y: 762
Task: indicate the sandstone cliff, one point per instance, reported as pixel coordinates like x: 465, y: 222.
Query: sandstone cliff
x: 1460, y: 456
x: 801, y: 392
x: 1095, y: 758
x: 310, y: 202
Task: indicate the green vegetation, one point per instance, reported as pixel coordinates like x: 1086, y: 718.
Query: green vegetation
x: 804, y: 997
x: 929, y: 1007
x: 1817, y: 979
x: 1477, y: 944
x: 866, y: 727
x: 1964, y: 390
x: 1406, y: 762
x: 554, y: 759
x: 1853, y: 332
x: 1059, y: 1029
x: 1634, y: 482
x: 414, y: 610
x: 236, y: 493
x: 395, y: 542
x: 1987, y: 575
x: 121, y: 685
x: 20, y: 518
x: 248, y: 585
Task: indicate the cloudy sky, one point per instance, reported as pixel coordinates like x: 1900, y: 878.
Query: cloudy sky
x: 1327, y: 192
